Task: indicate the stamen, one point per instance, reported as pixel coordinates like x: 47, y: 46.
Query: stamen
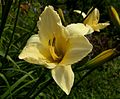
x: 53, y: 54
x: 52, y: 50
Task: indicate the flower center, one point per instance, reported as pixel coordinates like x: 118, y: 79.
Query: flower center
x: 53, y: 51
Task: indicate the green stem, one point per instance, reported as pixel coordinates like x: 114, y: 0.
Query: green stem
x: 36, y: 84
x: 13, y: 30
x: 42, y: 88
x: 33, y: 88
x: 5, y: 10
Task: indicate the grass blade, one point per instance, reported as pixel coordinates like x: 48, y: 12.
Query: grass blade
x: 26, y: 84
x: 9, y: 89
x: 16, y: 84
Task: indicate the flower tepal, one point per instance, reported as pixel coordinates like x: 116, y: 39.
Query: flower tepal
x: 56, y: 47
x: 92, y: 20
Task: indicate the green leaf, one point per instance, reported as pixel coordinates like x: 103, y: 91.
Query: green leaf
x: 16, y: 84
x: 26, y: 84
x: 9, y: 88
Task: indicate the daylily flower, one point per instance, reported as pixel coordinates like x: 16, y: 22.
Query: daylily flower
x: 93, y: 19
x: 57, y: 47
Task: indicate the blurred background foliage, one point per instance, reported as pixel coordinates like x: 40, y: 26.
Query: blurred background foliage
x: 18, y: 78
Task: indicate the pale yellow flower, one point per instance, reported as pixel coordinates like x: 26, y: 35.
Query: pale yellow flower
x: 93, y: 19
x: 57, y: 47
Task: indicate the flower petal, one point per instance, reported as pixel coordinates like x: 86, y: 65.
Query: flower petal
x: 77, y: 29
x: 34, y: 52
x: 61, y: 40
x: 48, y: 24
x: 101, y: 26
x: 77, y: 48
x: 64, y: 77
x: 93, y: 17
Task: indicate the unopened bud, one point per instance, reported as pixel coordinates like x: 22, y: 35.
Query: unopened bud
x: 99, y: 59
x: 114, y: 16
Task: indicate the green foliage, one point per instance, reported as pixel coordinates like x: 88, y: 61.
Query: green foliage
x: 19, y: 79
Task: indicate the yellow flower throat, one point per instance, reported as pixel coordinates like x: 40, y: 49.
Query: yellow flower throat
x: 53, y: 50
